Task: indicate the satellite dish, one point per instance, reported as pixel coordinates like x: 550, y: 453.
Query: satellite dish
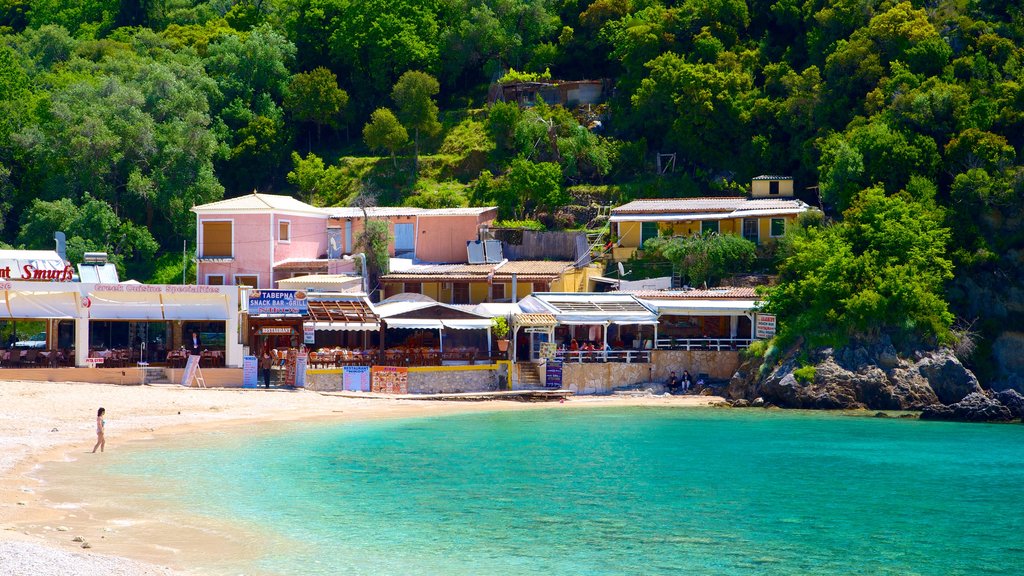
x: 622, y: 271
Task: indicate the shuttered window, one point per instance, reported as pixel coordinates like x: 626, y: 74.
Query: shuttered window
x: 497, y: 291
x: 284, y: 231
x: 245, y: 280
x: 217, y: 240
x: 215, y: 280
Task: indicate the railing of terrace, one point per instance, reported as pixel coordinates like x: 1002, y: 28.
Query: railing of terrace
x: 718, y: 344
x: 627, y: 356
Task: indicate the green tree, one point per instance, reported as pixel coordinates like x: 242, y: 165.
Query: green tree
x: 704, y: 258
x: 414, y: 96
x: 385, y: 132
x: 529, y: 186
x: 315, y: 97
x: 882, y: 269
x: 90, y: 226
x: 374, y: 241
x: 311, y: 177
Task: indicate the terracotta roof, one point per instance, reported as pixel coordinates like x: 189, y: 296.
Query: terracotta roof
x: 728, y: 292
x: 706, y: 208
x: 526, y: 270
x: 706, y: 204
x: 534, y: 319
x: 258, y: 202
x: 299, y: 264
x: 386, y: 211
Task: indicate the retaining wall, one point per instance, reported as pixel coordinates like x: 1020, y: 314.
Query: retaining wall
x: 603, y: 377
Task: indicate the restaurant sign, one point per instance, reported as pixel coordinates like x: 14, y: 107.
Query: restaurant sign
x: 277, y: 302
x: 764, y: 326
x: 36, y: 270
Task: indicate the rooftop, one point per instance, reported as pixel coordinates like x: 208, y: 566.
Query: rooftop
x: 524, y: 269
x: 726, y: 293
x: 260, y: 203
x: 705, y: 208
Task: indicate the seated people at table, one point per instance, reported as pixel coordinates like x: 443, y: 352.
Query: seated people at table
x: 574, y: 345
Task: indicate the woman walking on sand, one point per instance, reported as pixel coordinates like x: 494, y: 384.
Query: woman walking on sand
x: 101, y: 424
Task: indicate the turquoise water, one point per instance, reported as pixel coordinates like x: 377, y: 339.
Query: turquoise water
x: 615, y: 491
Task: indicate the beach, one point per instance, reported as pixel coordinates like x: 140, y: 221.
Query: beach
x: 43, y: 422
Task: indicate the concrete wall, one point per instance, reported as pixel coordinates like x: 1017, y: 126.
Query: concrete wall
x: 443, y: 238
x: 215, y: 377
x: 426, y: 380
x: 602, y: 378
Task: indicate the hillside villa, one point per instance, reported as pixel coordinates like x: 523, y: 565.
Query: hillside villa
x: 761, y: 218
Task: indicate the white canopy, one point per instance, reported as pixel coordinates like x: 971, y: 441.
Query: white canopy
x: 339, y: 326
x: 414, y: 323
x: 590, y: 308
x: 39, y: 304
x: 706, y: 307
x: 468, y: 324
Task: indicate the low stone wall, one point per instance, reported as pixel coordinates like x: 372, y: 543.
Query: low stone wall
x: 604, y: 377
x: 425, y: 380
x: 452, y: 381
x: 128, y: 376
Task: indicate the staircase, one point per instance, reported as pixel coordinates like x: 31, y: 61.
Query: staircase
x: 529, y: 376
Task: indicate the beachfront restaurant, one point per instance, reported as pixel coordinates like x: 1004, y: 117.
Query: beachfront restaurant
x: 340, y: 329
x: 418, y: 330
x: 712, y: 319
x: 117, y: 324
x: 581, y: 324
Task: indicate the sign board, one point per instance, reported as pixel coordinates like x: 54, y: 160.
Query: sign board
x: 308, y: 335
x: 250, y: 372
x: 547, y: 350
x: 278, y: 302
x: 35, y: 266
x: 189, y: 373
x: 390, y: 380
x: 553, y: 375
x: 300, y: 370
x: 290, y: 366
x: 276, y: 331
x: 355, y: 378
x: 94, y: 361
x: 334, y: 244
x: 764, y: 326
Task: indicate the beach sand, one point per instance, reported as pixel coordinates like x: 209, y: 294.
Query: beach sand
x: 41, y: 513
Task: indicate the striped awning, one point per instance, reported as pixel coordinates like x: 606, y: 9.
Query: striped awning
x: 529, y: 320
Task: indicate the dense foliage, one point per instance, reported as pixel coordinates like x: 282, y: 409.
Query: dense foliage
x: 153, y: 107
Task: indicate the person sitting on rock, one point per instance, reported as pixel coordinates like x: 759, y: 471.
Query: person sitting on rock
x: 672, y: 385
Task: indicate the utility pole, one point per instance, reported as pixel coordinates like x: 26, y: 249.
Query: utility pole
x: 184, y: 259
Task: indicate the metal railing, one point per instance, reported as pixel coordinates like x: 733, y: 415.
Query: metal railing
x: 717, y: 344
x: 627, y: 356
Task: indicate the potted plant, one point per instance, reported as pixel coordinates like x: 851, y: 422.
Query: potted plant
x: 499, y: 327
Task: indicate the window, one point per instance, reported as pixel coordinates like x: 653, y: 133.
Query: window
x: 540, y: 286
x: 707, y: 226
x: 247, y: 280
x: 773, y: 188
x: 284, y: 231
x: 648, y: 230
x: 778, y: 227
x: 460, y: 293
x: 750, y: 232
x: 217, y: 239
x: 413, y: 288
x: 497, y: 291
x: 214, y: 279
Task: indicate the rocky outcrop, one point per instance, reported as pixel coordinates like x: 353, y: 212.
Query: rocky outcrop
x: 873, y: 377
x: 1013, y: 400
x: 976, y: 407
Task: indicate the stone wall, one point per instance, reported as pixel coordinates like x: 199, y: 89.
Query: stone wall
x: 604, y: 377
x: 430, y: 381
x: 452, y: 381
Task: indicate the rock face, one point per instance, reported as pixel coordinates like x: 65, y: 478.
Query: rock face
x: 1013, y: 400
x: 976, y: 407
x: 872, y: 377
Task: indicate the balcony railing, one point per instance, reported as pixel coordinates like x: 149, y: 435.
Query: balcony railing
x: 717, y: 344
x: 627, y: 356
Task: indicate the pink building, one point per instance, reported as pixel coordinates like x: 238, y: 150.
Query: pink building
x: 259, y: 239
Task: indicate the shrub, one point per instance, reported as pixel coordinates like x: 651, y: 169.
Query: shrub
x: 805, y: 374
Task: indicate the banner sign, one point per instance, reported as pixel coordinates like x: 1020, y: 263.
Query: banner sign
x: 189, y: 373
x: 547, y: 350
x: 553, y: 375
x: 290, y: 366
x: 764, y: 326
x: 276, y: 331
x: 250, y: 372
x: 355, y: 378
x: 308, y: 335
x: 390, y: 380
x: 300, y: 370
x: 278, y: 302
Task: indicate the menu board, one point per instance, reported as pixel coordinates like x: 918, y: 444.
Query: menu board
x: 355, y: 378
x: 553, y: 375
x: 390, y: 380
x: 300, y: 370
x: 250, y: 372
x: 189, y: 373
x: 290, y: 365
x: 547, y: 350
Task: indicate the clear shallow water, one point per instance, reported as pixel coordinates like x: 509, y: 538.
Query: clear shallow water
x: 616, y: 491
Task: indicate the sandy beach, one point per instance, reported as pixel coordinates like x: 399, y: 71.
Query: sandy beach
x: 43, y: 422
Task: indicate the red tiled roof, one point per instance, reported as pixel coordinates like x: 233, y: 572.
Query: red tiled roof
x: 727, y: 292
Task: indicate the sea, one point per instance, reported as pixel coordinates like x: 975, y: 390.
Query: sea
x: 599, y: 492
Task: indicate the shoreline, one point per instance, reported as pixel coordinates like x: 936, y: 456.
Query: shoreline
x: 47, y: 422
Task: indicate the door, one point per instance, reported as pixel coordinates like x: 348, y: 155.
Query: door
x: 405, y: 240
x: 750, y: 229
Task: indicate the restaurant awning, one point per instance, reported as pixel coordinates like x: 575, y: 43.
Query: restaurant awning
x: 704, y: 307
x: 414, y: 323
x: 39, y: 304
x: 467, y: 324
x: 581, y: 309
x: 338, y: 326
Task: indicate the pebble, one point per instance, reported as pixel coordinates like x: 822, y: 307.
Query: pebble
x: 86, y: 545
x: 22, y: 503
x: 78, y: 539
x: 31, y: 559
x: 63, y: 529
